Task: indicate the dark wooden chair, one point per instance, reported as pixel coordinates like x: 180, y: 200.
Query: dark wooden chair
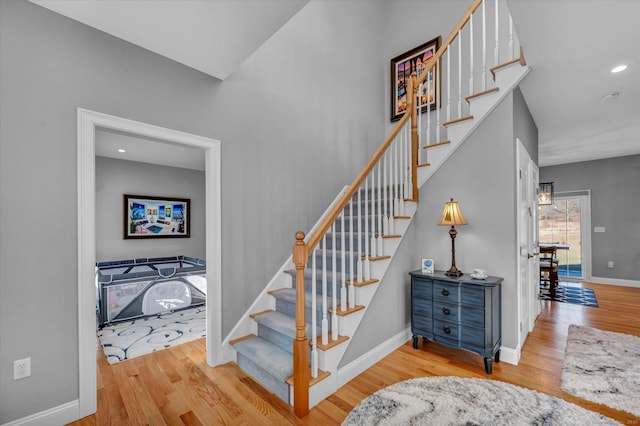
x: 549, y: 270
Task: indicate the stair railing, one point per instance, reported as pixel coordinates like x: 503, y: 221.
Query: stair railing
x: 352, y: 235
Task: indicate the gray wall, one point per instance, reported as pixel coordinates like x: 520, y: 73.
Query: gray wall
x: 117, y: 177
x: 296, y: 121
x: 615, y: 203
x: 524, y: 127
x: 480, y: 175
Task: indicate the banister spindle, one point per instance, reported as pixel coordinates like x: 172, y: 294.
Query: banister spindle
x: 373, y: 247
x: 314, y: 320
x: 386, y: 198
x: 343, y: 266
x: 429, y: 91
x: 300, y: 344
x: 438, y: 99
x: 325, y: 320
x: 484, y: 49
x: 334, y: 285
x: 459, y: 74
x: 496, y: 49
x: 360, y: 266
x: 471, y: 46
x: 352, y: 255
x: 367, y: 211
x: 512, y: 52
x: 448, y: 118
x: 379, y: 233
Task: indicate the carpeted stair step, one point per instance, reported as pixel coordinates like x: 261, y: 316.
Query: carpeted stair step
x: 280, y: 329
x: 349, y: 258
x: 267, y: 363
x: 286, y: 304
x: 308, y: 276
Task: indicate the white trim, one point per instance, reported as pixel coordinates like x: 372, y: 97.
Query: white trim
x: 354, y: 368
x: 87, y: 122
x: 615, y: 281
x: 510, y: 355
x: 60, y: 415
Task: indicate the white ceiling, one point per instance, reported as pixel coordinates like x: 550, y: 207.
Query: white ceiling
x: 570, y: 45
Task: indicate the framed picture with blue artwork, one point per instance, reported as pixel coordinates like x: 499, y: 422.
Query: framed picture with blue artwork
x: 147, y: 216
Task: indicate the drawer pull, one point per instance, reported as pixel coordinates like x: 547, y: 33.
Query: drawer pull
x: 445, y: 292
x: 446, y: 311
x: 447, y: 329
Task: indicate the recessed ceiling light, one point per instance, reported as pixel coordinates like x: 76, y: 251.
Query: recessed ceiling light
x: 121, y: 150
x: 619, y: 68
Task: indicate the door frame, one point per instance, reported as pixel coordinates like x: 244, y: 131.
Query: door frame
x: 88, y: 121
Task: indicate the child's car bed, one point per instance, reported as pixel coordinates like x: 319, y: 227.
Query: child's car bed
x: 138, y: 287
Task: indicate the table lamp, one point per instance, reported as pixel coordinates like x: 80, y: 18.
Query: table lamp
x: 452, y: 216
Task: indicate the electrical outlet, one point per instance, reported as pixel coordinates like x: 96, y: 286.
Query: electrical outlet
x: 610, y: 264
x: 21, y: 368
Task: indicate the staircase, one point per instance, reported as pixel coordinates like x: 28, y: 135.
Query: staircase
x: 296, y: 332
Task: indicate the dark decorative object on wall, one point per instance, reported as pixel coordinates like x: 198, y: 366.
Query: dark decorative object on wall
x: 146, y: 216
x: 545, y: 193
x: 401, y: 68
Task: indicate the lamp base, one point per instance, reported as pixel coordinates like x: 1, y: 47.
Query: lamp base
x: 454, y: 272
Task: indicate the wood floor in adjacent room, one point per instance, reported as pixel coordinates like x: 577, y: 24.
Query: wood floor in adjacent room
x: 176, y: 387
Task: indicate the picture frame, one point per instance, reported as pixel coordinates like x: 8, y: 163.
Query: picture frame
x: 148, y: 217
x: 401, y: 68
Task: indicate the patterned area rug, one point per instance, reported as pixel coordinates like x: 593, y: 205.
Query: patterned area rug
x: 458, y: 401
x: 572, y: 293
x: 129, y: 339
x: 603, y: 367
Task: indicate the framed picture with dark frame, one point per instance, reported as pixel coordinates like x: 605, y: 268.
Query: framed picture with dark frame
x: 146, y: 216
x: 401, y: 68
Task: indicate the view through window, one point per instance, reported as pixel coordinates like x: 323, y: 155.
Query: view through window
x: 560, y: 222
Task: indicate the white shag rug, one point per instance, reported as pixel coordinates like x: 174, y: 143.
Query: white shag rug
x: 603, y: 367
x: 460, y: 401
x: 129, y: 339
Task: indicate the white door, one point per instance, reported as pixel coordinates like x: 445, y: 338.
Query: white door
x: 527, y: 262
x: 533, y: 264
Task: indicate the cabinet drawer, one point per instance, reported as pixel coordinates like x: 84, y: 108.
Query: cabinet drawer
x: 472, y: 316
x: 446, y: 291
x: 446, y: 329
x: 422, y: 307
x: 422, y: 288
x: 472, y: 296
x: 446, y: 311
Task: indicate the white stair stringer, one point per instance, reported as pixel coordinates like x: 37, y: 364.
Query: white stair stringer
x: 506, y: 80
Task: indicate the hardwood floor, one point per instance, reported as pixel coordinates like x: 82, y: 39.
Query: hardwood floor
x: 176, y: 387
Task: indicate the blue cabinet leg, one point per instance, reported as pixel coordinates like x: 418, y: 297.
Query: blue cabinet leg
x: 415, y: 342
x: 496, y: 357
x: 488, y: 365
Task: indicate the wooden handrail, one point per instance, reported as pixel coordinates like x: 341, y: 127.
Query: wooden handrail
x: 454, y: 33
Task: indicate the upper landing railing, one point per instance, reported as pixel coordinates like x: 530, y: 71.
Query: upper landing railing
x: 353, y: 233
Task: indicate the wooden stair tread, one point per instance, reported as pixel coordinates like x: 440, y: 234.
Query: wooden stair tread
x: 402, y: 217
x: 275, y: 291
x: 349, y: 311
x: 433, y: 145
x: 424, y: 165
x: 458, y: 120
x: 376, y: 258
x: 477, y: 95
x: 392, y: 236
x: 519, y: 60
x: 363, y: 283
x: 256, y: 314
x: 312, y: 381
x: 332, y: 343
x: 240, y: 339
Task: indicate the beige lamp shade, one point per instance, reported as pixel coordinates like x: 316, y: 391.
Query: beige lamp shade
x: 451, y: 215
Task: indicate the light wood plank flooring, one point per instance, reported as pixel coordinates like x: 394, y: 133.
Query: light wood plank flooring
x: 176, y: 387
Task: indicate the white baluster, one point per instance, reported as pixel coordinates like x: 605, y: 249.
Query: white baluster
x: 380, y: 231
x: 367, y: 262
x: 496, y: 50
x: 438, y: 101
x: 404, y: 164
x: 314, y: 333
x: 334, y: 285
x: 448, y: 84
x: 484, y: 48
x: 459, y: 73
x: 429, y: 88
x: 420, y: 89
x: 359, y: 234
x: 511, y: 51
x: 385, y: 195
x: 352, y: 254
x: 343, y: 266
x: 471, y: 55
x: 409, y: 177
x: 388, y: 189
x: 325, y: 321
x: 374, y: 214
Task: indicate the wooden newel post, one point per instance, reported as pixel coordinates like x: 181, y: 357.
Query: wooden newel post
x: 300, y: 344
x: 412, y: 94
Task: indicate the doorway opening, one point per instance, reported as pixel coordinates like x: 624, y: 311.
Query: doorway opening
x: 567, y: 221
x: 88, y: 122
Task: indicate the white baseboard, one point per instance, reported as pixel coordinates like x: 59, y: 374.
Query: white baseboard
x: 509, y: 355
x: 614, y: 281
x: 351, y: 370
x: 60, y: 415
